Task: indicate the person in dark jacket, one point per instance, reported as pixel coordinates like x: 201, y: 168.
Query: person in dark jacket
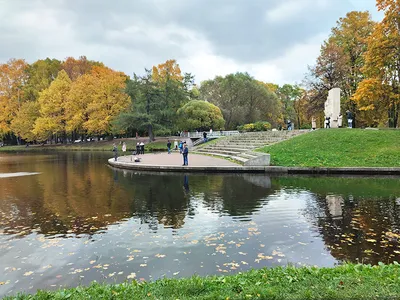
x: 115, y: 150
x: 169, y: 147
x: 349, y: 116
x: 185, y: 153
x: 137, y: 148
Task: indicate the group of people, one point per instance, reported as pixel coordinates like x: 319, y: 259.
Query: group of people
x: 183, y: 149
x: 139, y: 150
x: 349, y: 116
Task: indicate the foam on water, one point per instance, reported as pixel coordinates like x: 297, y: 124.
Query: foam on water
x: 17, y: 174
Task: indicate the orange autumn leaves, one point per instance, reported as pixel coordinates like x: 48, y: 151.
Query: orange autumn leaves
x: 84, y: 98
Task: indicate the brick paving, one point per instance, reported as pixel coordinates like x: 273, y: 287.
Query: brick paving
x: 176, y: 159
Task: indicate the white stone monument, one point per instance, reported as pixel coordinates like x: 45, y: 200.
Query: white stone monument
x: 332, y: 106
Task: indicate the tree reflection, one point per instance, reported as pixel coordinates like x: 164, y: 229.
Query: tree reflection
x: 362, y: 225
x: 76, y: 193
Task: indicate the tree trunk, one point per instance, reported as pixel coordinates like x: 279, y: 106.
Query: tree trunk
x: 151, y: 135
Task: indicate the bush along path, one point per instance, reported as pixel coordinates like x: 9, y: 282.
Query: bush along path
x: 338, y: 148
x: 342, y: 282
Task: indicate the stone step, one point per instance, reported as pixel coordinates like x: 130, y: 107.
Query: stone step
x: 205, y: 150
x: 238, y: 158
x: 247, y: 155
x: 223, y: 147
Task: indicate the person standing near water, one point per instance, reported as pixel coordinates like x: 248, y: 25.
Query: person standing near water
x: 185, y: 153
x: 123, y: 148
x: 169, y: 147
x: 142, y: 148
x: 115, y: 150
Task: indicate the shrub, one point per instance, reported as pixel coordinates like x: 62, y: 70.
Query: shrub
x: 258, y: 126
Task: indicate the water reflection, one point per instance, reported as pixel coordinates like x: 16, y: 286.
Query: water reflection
x: 80, y: 217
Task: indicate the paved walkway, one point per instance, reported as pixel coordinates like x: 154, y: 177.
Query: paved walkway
x: 176, y: 159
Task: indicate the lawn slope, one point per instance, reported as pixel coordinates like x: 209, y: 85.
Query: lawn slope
x: 343, y: 282
x: 338, y: 148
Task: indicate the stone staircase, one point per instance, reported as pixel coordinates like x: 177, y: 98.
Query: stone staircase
x: 240, y: 147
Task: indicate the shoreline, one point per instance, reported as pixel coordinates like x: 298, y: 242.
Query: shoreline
x: 256, y: 169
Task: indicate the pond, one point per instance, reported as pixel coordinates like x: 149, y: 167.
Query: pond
x: 69, y: 218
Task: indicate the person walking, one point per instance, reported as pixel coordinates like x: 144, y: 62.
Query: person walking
x: 313, y: 123
x: 176, y: 145
x: 169, y: 147
x: 115, y: 150
x: 123, y: 148
x: 205, y: 136
x: 185, y: 153
x: 349, y: 116
x: 142, y: 148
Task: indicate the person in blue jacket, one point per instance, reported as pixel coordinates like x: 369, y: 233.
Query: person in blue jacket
x: 185, y: 153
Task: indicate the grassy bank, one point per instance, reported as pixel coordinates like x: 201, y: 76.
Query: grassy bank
x: 342, y: 282
x: 159, y: 145
x: 339, y: 148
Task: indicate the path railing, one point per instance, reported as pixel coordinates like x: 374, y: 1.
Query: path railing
x: 213, y: 134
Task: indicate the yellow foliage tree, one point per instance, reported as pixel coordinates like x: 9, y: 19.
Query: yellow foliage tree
x: 52, y: 106
x: 12, y: 79
x: 22, y: 124
x: 167, y: 71
x: 95, y: 99
x: 379, y: 94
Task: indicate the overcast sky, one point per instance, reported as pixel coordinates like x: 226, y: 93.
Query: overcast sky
x: 273, y: 40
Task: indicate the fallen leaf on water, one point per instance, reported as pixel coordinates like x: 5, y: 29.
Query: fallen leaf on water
x: 371, y: 240
x: 111, y: 274
x: 143, y: 265
x: 131, y: 276
x: 176, y: 273
x: 160, y: 255
x: 92, y: 262
x: 262, y: 245
x: 28, y: 273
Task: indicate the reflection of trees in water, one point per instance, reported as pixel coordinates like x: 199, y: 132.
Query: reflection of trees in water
x: 358, y: 226
x: 77, y: 193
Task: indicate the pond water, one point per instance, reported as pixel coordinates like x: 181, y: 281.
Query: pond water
x: 68, y: 219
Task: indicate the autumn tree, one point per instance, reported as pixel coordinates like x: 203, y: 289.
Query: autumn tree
x: 379, y: 93
x: 200, y: 115
x: 164, y: 72
x: 106, y: 101
x: 77, y: 67
x: 12, y: 79
x: 340, y: 61
x: 40, y: 75
x: 23, y: 123
x: 52, y: 101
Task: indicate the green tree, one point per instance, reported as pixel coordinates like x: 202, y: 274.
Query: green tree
x: 200, y: 115
x: 241, y: 99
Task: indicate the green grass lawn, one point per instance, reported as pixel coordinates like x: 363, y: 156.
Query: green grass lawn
x: 342, y: 282
x: 159, y: 145
x: 338, y: 148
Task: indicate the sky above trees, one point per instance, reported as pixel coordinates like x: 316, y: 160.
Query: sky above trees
x: 273, y: 40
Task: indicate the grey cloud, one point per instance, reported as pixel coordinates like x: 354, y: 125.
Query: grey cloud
x: 236, y: 29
